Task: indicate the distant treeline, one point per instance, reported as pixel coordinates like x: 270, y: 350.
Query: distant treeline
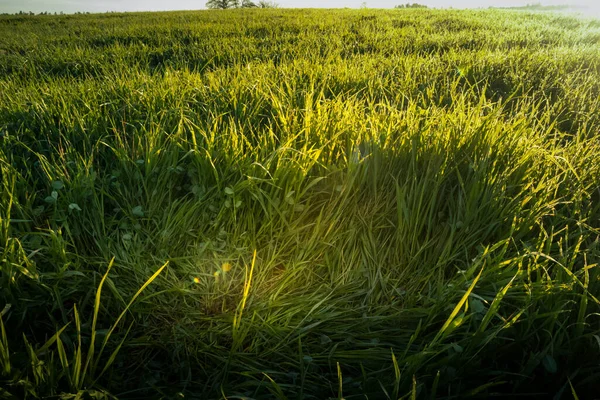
x: 24, y: 13
x: 32, y: 13
x: 224, y: 4
x: 413, y: 5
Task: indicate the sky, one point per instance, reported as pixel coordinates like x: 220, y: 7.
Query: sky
x: 70, y: 6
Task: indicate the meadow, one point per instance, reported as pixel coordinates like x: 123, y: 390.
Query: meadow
x: 300, y: 204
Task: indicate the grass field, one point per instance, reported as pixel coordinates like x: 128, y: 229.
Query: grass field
x: 300, y: 204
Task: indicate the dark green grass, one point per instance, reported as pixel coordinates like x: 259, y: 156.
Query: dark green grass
x: 358, y: 204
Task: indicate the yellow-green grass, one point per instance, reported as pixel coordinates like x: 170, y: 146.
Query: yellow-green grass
x: 299, y: 204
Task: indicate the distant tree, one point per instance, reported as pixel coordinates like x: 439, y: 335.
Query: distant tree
x: 221, y: 4
x: 413, y: 5
x: 248, y: 4
x: 225, y: 4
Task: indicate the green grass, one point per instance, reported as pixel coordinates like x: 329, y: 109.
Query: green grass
x: 409, y: 202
